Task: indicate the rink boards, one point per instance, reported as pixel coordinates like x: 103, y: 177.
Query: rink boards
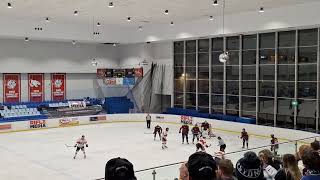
x: 228, y: 127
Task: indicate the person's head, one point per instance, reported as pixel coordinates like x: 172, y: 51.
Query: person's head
x: 82, y: 137
x: 243, y: 130
x: 202, y: 166
x: 302, y: 150
x: 272, y: 135
x: 167, y: 129
x: 249, y: 167
x: 219, y: 137
x: 311, y: 159
x: 291, y: 164
x: 119, y: 169
x: 315, y: 145
x: 196, y: 125
x: 266, y: 156
x: 225, y: 168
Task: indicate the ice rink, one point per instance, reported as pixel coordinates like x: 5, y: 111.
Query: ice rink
x: 42, y: 154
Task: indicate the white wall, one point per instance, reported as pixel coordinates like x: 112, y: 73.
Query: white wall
x: 17, y: 56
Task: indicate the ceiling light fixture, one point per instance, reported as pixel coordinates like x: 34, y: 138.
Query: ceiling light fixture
x: 74, y: 42
x: 76, y: 13
x: 114, y: 45
x: 26, y: 39
x: 171, y: 23
x: 215, y: 3
x: 98, y: 24
x: 94, y: 63
x: 140, y: 28
x: 211, y: 18
x: 261, y: 10
x: 129, y: 19
x: 9, y: 5
x: 166, y: 12
x: 111, y: 5
x: 47, y: 19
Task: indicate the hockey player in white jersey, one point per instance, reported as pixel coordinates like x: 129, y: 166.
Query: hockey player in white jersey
x: 81, y: 142
x: 164, y: 138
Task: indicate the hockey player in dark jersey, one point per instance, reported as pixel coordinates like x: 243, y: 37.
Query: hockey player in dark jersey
x: 245, y: 138
x: 157, y: 130
x: 195, y: 133
x: 185, y: 131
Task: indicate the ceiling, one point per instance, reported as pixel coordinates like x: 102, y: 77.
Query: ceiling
x: 143, y: 12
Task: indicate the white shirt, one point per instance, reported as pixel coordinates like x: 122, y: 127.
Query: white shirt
x: 148, y: 118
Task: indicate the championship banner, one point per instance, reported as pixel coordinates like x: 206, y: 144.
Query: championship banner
x: 110, y: 81
x: 36, y: 87
x: 58, y: 87
x: 128, y: 81
x: 119, y: 81
x: 129, y: 73
x: 11, y: 88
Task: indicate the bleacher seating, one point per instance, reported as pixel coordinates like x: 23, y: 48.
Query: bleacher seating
x: 114, y: 105
x: 194, y: 113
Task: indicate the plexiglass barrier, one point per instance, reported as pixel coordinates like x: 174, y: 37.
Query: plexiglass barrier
x: 171, y: 171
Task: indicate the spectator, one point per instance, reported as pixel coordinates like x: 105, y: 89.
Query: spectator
x: 290, y: 170
x: 184, y: 173
x: 311, y: 161
x: 315, y: 145
x: 302, y: 150
x: 269, y: 171
x: 119, y: 169
x: 225, y: 170
x: 202, y: 166
x: 249, y: 167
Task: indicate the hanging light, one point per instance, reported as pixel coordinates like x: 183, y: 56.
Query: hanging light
x: 129, y: 19
x: 215, y: 3
x: 166, y: 12
x: 26, y: 39
x: 111, y: 5
x: 76, y: 13
x: 114, y: 44
x: 261, y: 10
x: 94, y: 63
x: 140, y: 28
x: 224, y: 57
x: 98, y: 24
x: 9, y: 5
x: 211, y: 18
x: 47, y: 19
x: 74, y: 42
x: 171, y: 23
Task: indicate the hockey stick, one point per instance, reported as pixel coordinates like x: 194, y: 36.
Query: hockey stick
x: 68, y: 146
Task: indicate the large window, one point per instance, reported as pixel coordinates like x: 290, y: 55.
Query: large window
x: 265, y: 76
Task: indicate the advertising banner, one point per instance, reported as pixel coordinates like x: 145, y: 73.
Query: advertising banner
x: 63, y: 122
x: 11, y: 88
x: 5, y: 127
x: 110, y: 81
x: 58, y: 87
x: 36, y: 87
x: 130, y: 73
x: 35, y: 124
x: 98, y: 118
x: 128, y: 81
x: 186, y: 119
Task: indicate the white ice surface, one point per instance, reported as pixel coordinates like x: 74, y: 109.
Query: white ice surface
x: 42, y: 155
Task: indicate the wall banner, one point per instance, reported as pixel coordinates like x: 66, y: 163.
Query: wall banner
x: 36, y: 87
x: 11, y: 88
x: 58, y: 86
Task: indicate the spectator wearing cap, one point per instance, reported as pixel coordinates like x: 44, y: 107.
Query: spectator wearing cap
x: 119, y: 169
x: 225, y: 170
x: 202, y: 166
x: 269, y: 171
x: 311, y: 161
x: 249, y: 167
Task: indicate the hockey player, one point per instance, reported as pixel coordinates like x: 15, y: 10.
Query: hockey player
x: 274, y: 144
x: 205, y: 126
x: 202, y: 144
x: 245, y: 138
x: 185, y: 131
x: 157, y: 130
x: 164, y: 138
x: 80, y: 145
x: 195, y: 133
x: 221, y: 144
x: 148, y: 120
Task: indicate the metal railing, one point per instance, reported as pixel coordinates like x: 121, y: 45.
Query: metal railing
x: 151, y: 173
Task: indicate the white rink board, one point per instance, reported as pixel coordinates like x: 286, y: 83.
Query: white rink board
x: 281, y: 133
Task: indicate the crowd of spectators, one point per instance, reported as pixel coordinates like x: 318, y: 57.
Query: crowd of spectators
x: 305, y: 165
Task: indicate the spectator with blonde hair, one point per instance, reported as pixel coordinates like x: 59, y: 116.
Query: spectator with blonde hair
x: 290, y: 170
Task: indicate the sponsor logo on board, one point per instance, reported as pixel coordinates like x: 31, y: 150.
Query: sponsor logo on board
x: 186, y: 119
x: 68, y: 122
x: 98, y: 118
x: 5, y: 126
x: 35, y: 124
